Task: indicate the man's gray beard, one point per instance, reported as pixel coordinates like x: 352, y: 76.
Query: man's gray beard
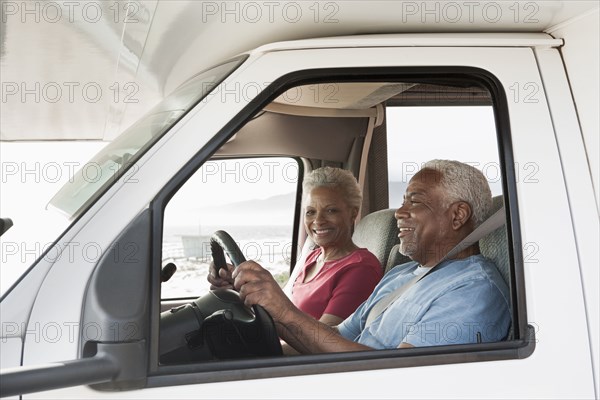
x: 408, y: 249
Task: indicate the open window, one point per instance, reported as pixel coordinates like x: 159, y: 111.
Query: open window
x: 381, y: 124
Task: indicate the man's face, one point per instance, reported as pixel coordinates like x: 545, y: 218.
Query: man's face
x: 423, y: 221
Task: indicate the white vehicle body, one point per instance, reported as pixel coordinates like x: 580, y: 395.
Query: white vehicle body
x: 558, y: 215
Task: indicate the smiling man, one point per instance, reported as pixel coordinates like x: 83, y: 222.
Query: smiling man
x: 462, y: 300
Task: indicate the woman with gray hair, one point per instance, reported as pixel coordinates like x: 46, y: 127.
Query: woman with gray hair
x: 337, y: 275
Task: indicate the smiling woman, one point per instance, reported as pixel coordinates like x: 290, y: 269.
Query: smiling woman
x: 337, y: 275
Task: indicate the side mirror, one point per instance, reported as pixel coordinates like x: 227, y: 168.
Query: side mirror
x: 5, y: 224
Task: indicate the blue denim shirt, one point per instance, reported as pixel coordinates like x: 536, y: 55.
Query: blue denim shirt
x: 461, y: 301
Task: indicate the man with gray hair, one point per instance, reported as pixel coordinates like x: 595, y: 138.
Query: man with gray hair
x: 463, y: 300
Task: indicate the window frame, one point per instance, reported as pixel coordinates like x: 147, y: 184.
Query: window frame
x: 521, y: 346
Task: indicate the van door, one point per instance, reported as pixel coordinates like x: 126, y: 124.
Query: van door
x: 542, y: 260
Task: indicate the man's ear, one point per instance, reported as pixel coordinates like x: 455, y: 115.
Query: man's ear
x: 461, y: 214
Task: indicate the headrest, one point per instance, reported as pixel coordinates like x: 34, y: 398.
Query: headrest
x: 378, y: 232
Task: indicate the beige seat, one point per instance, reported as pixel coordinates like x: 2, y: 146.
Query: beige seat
x: 377, y: 232
x: 395, y: 258
x: 495, y: 247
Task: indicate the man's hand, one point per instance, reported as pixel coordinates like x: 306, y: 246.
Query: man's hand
x: 256, y: 285
x: 223, y: 280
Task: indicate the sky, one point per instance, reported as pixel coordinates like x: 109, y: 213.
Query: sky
x: 469, y: 135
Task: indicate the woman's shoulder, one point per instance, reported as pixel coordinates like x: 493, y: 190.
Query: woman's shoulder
x: 366, y: 255
x: 362, y: 257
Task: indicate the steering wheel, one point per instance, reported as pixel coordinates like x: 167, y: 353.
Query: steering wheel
x: 221, y: 240
x: 217, y: 325
x: 254, y: 330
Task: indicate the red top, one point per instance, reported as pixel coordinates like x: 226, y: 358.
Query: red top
x: 339, y: 287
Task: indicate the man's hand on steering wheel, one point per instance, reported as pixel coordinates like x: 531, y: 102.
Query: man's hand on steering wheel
x: 220, y: 272
x: 256, y: 285
x: 224, y: 280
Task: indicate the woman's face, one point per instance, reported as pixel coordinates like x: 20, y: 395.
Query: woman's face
x: 328, y: 218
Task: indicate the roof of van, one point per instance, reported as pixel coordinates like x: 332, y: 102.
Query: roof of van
x: 142, y: 53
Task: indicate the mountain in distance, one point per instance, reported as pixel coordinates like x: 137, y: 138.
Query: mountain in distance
x: 274, y: 204
x: 271, y: 211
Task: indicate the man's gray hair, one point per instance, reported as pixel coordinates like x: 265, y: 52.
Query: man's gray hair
x: 463, y: 182
x: 336, y: 178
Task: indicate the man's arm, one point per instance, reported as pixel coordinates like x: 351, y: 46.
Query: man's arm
x: 309, y: 336
x: 331, y: 320
x: 299, y: 330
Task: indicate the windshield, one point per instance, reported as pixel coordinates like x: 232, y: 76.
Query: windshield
x: 112, y: 162
x: 37, y: 166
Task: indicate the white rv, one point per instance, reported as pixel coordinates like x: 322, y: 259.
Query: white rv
x: 236, y: 101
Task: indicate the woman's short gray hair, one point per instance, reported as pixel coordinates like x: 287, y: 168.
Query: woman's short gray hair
x: 337, y: 178
x: 463, y: 182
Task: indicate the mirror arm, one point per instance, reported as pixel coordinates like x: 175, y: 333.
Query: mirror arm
x: 114, y: 366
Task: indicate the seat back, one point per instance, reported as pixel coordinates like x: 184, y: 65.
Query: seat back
x: 377, y: 232
x: 395, y: 258
x: 495, y: 247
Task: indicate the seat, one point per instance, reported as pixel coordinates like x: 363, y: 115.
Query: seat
x: 377, y: 232
x: 395, y: 258
x: 495, y: 247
